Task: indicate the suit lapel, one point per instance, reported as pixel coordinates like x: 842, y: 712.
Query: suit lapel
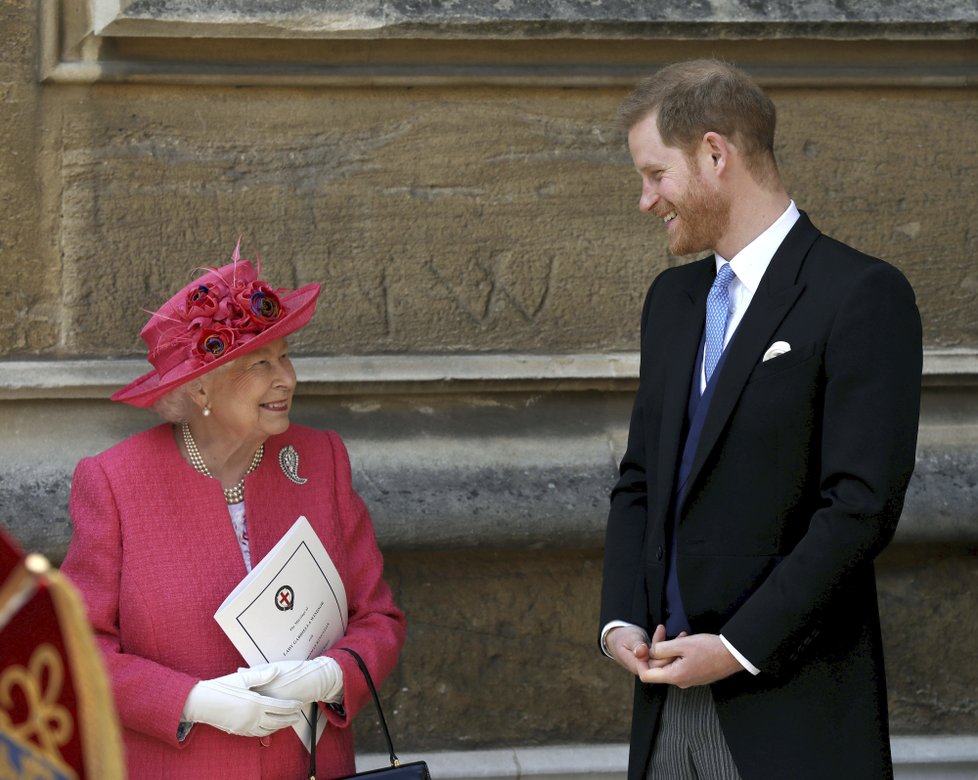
x: 686, y: 320
x: 777, y: 293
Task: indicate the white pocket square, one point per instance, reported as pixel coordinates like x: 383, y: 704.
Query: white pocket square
x: 777, y: 348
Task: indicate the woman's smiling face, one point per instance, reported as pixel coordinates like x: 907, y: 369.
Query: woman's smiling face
x: 251, y: 397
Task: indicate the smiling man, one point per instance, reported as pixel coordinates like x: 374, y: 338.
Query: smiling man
x: 771, y: 441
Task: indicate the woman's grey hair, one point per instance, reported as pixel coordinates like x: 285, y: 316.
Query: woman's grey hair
x: 177, y: 406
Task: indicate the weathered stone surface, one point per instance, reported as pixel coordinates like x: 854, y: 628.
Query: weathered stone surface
x: 504, y: 644
x: 535, y: 17
x: 438, y: 219
x: 928, y: 596
x: 942, y: 500
x: 505, y: 470
x: 34, y: 509
x: 422, y: 242
x: 840, y: 166
x: 502, y: 649
x: 30, y: 314
x: 458, y: 220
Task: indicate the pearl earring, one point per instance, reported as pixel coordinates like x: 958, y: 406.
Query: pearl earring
x: 206, y: 411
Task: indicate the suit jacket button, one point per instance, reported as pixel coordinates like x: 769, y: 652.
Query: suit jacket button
x: 658, y: 553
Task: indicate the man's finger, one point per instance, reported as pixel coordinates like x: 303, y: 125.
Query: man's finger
x: 640, y: 650
x: 669, y: 648
x: 658, y: 674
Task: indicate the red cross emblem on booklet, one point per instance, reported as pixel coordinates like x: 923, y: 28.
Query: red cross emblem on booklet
x: 285, y: 598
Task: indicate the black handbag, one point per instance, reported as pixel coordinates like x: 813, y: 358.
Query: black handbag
x: 415, y: 770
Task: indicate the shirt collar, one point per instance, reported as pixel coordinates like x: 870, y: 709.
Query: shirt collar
x: 752, y: 261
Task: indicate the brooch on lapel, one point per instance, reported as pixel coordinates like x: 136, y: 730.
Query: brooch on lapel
x: 288, y: 459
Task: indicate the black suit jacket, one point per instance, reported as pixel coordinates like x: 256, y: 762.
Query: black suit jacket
x: 796, y: 485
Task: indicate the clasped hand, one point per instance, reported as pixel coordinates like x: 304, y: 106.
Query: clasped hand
x: 319, y: 679
x: 230, y: 704
x: 258, y: 701
x: 687, y: 660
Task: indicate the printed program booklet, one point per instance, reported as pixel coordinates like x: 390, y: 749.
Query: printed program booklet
x: 291, y: 606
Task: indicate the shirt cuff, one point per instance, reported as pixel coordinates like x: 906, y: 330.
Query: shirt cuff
x: 740, y: 659
x: 617, y: 624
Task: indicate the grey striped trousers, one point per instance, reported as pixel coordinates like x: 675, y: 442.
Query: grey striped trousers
x: 689, y: 744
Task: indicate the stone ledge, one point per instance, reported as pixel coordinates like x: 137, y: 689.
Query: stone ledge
x: 914, y: 758
x: 431, y: 494
x: 538, y: 43
x: 345, y: 374
x: 378, y: 374
x: 451, y: 477
x: 528, y: 18
x: 452, y: 451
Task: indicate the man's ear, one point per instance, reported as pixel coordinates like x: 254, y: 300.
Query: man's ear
x: 716, y: 152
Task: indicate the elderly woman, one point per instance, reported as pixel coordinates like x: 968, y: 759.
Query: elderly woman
x: 169, y: 521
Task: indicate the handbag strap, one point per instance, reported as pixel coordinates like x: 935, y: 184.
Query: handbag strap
x: 380, y: 711
x: 314, y: 718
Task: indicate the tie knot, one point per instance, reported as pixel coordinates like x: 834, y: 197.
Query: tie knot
x: 724, y: 276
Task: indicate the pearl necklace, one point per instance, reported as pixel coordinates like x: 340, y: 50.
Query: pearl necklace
x: 232, y: 495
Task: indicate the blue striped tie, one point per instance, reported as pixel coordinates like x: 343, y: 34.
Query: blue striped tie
x: 717, y: 317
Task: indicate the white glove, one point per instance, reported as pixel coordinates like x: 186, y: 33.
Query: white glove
x: 228, y: 703
x: 319, y: 679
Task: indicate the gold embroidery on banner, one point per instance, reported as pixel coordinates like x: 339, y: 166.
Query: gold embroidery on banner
x: 101, y: 736
x: 49, y: 725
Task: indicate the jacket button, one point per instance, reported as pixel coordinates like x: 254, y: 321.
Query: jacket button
x: 658, y: 553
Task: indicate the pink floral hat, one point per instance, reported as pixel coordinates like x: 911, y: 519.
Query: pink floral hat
x: 226, y: 313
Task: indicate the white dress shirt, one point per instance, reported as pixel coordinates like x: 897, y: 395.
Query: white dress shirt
x: 749, y: 265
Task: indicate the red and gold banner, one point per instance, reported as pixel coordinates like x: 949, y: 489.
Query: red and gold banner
x: 57, y: 719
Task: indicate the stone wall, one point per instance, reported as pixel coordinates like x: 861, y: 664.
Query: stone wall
x: 457, y: 183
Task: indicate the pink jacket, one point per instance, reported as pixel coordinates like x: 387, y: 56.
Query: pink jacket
x: 154, y: 554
